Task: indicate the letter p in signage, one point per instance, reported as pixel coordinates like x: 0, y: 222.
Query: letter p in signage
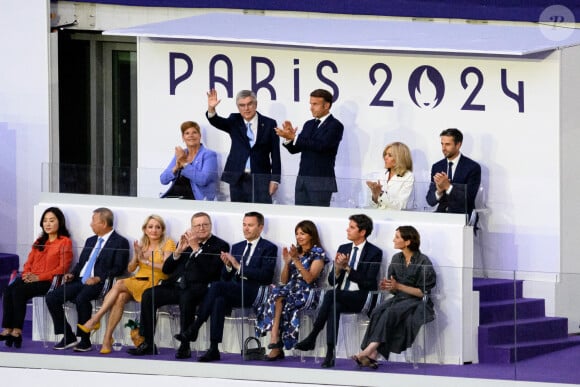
x: 173, y: 80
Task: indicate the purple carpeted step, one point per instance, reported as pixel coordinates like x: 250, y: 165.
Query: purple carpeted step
x: 541, y: 328
x: 510, y: 353
x: 492, y: 289
x: 509, y: 310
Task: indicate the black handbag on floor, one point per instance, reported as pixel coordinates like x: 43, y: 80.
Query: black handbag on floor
x: 257, y: 353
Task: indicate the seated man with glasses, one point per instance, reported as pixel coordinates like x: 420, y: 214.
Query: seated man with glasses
x: 195, y: 263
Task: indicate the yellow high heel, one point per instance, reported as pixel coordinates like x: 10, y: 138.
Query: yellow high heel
x: 106, y: 351
x: 83, y: 328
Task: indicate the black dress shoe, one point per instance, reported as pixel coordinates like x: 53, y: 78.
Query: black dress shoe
x: 184, y: 351
x: 210, y: 355
x: 189, y: 335
x: 143, y: 349
x: 328, y: 362
x: 306, y: 345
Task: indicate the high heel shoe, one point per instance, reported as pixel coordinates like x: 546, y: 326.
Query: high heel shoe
x: 279, y: 356
x: 5, y: 337
x: 273, y: 346
x: 14, y: 340
x: 95, y: 327
x: 105, y: 351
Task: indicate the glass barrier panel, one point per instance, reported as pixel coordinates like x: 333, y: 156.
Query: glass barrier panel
x: 255, y: 188
x: 525, y: 325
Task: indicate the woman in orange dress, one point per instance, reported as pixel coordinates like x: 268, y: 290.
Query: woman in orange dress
x: 150, y: 254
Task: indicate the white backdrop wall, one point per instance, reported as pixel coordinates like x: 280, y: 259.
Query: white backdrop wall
x: 508, y: 143
x: 24, y: 118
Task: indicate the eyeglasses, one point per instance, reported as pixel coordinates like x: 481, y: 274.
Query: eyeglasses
x: 202, y: 225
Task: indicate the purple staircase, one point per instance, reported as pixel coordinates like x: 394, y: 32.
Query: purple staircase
x: 513, y: 328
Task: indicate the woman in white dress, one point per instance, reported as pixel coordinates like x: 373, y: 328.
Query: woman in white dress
x: 392, y: 187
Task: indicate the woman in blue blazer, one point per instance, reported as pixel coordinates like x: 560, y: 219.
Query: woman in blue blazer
x: 193, y: 170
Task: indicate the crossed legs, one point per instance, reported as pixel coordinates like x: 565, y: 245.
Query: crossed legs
x: 114, y: 301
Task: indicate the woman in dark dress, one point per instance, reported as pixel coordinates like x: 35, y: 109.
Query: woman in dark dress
x: 303, y: 264
x: 395, y: 323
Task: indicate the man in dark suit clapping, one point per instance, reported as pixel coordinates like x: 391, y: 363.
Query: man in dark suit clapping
x: 455, y: 180
x: 104, y: 256
x: 318, y: 144
x: 355, y: 274
x: 250, y: 265
x: 195, y: 263
x: 253, y: 166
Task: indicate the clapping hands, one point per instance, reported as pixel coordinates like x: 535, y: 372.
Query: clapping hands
x: 287, y: 131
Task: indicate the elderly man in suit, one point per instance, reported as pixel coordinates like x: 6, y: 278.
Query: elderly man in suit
x: 253, y: 166
x: 250, y: 265
x: 455, y: 179
x: 318, y: 144
x: 195, y: 263
x: 104, y: 256
x: 355, y: 274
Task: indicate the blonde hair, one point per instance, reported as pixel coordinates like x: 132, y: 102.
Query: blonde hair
x: 402, y: 156
x: 145, y: 242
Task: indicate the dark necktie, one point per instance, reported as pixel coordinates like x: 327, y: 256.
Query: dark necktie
x: 351, y: 264
x: 246, y: 256
x: 450, y: 170
x: 316, y: 123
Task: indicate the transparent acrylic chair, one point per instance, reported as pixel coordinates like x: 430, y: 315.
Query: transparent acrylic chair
x: 353, y: 326
x: 427, y: 344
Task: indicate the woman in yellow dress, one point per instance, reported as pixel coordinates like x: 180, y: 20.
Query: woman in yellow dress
x: 150, y: 254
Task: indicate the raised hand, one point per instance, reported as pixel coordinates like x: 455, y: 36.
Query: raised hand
x: 212, y: 100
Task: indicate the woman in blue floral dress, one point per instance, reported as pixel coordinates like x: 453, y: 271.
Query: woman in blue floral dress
x: 303, y: 264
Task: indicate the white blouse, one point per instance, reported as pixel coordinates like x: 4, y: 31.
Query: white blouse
x: 396, y: 192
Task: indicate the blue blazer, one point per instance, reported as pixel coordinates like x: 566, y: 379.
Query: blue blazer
x: 112, y: 260
x: 367, y: 272
x: 202, y: 174
x: 264, y: 155
x: 466, y: 181
x: 262, y: 265
x: 318, y: 147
